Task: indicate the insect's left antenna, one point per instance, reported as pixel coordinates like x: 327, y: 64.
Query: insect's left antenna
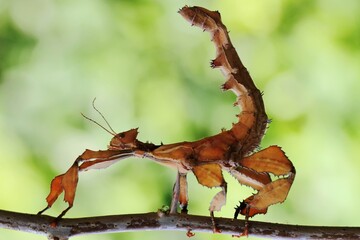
x: 92, y: 120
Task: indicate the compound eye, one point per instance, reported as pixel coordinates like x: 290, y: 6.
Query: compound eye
x: 121, y: 135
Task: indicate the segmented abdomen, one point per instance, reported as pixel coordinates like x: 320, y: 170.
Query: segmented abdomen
x: 252, y: 120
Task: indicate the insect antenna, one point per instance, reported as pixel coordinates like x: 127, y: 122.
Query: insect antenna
x: 102, y: 116
x: 112, y: 132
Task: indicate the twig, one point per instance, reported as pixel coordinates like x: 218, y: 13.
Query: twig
x: 66, y: 228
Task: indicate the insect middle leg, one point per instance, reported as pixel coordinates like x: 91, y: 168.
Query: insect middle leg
x: 210, y: 175
x: 180, y: 194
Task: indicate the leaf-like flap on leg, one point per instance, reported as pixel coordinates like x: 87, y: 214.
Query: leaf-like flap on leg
x: 271, y: 159
x: 65, y: 182
x: 218, y: 201
x: 101, y: 154
x: 250, y: 177
x: 249, y: 211
x: 97, y: 164
x: 69, y: 183
x: 101, y: 159
x: 209, y: 175
x: 272, y: 193
x: 90, y: 154
x: 183, y: 197
x: 254, y: 211
x: 56, y: 189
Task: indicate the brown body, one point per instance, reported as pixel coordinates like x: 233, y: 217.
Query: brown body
x: 231, y: 150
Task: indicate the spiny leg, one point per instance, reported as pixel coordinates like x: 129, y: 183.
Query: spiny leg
x: 58, y: 218
x: 67, y: 182
x: 254, y: 171
x: 210, y: 175
x: 183, y: 198
x: 217, y: 202
x: 180, y: 194
x: 175, y: 195
x: 246, y: 227
x: 244, y: 209
x: 41, y: 212
x: 270, y: 160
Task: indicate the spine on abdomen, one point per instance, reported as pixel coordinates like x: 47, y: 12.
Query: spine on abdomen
x: 252, y: 120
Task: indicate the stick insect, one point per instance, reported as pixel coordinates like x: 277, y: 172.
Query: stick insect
x: 232, y: 150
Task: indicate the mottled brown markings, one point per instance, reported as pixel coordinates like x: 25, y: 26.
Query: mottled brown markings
x: 232, y: 150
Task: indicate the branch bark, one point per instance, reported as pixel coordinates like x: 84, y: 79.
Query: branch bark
x: 66, y: 228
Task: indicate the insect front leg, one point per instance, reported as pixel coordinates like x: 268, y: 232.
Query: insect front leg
x: 67, y: 182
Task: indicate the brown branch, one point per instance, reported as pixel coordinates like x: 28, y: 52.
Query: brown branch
x: 40, y: 224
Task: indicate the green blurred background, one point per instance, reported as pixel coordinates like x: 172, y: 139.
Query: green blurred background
x: 148, y: 68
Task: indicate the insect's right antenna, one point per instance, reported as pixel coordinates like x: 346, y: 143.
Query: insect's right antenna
x: 112, y: 132
x: 102, y: 116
